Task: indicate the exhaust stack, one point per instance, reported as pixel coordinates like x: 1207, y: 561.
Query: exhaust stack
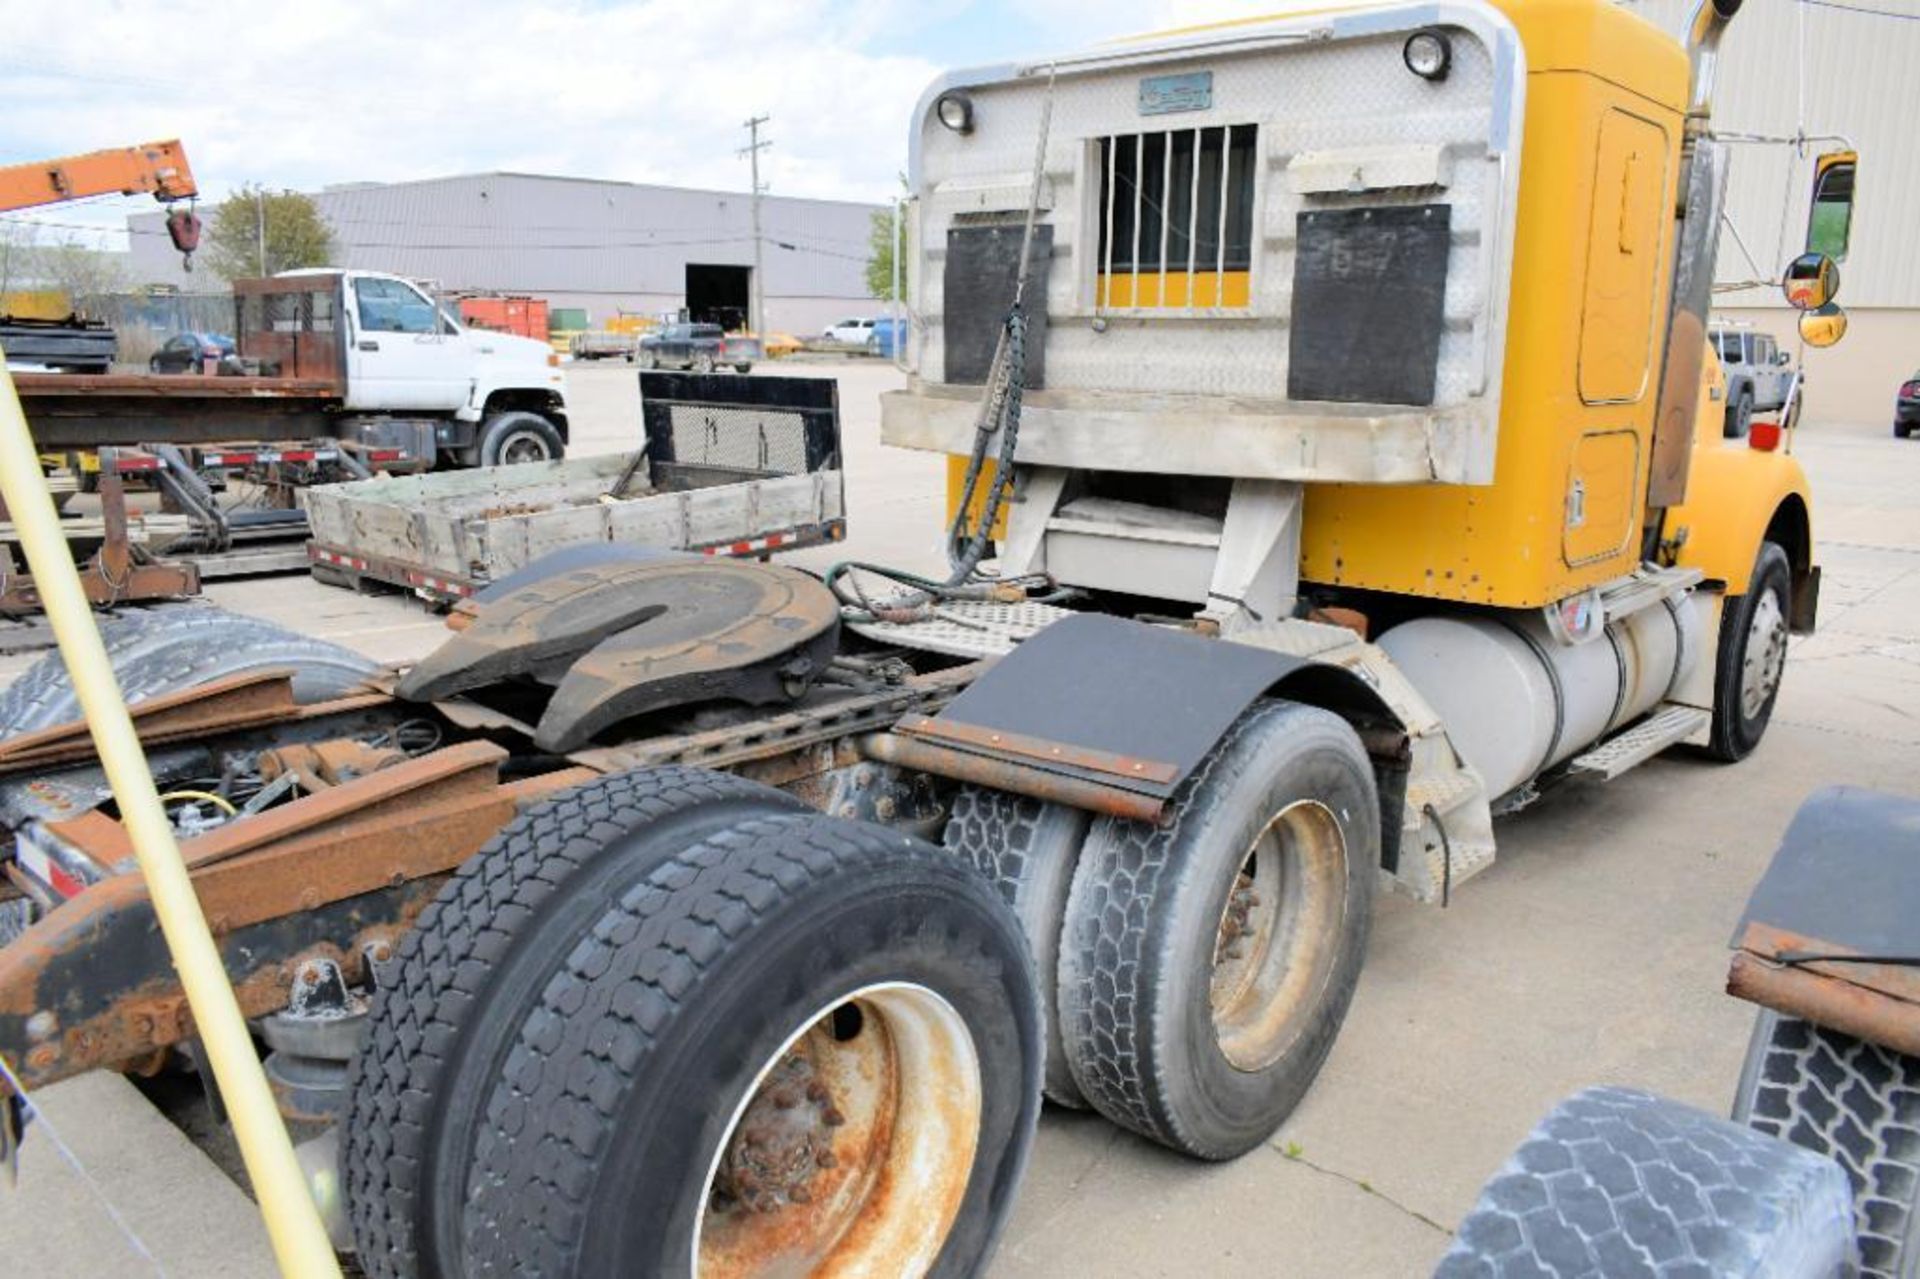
x: 1703, y: 190
x: 1704, y: 29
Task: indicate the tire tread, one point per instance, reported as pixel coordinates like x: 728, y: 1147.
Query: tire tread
x: 1856, y: 1103
x: 440, y: 973
x: 1619, y: 1182
x: 618, y: 995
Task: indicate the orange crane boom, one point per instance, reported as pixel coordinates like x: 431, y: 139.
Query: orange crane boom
x: 158, y: 169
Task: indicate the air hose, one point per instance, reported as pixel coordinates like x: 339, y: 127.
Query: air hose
x: 1000, y: 403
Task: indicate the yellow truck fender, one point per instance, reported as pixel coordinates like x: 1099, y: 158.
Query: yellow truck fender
x: 1737, y: 498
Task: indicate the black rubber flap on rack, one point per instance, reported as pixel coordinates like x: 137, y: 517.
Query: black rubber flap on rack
x: 723, y: 630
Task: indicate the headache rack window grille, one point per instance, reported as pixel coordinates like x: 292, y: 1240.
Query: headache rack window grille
x: 1176, y: 220
x: 762, y: 441
x: 705, y: 429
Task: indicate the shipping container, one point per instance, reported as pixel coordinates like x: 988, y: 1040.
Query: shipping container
x: 524, y: 316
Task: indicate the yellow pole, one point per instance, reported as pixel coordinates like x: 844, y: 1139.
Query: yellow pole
x: 293, y: 1223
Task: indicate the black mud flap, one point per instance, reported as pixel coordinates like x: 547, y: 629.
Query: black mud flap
x: 1846, y: 878
x: 1109, y: 702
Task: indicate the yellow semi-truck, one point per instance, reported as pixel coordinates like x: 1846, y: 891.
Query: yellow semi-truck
x: 1321, y: 397
x: 1375, y: 334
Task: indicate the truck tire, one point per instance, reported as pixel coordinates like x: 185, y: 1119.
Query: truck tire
x: 648, y: 360
x: 45, y: 677
x: 513, y: 438
x: 701, y: 363
x: 693, y: 1093
x: 168, y: 650
x: 469, y: 973
x: 1615, y: 1181
x: 1739, y: 414
x: 1207, y: 961
x: 1027, y: 849
x: 1853, y: 1102
x: 1751, y: 657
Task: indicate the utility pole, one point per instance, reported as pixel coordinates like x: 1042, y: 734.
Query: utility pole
x: 260, y: 225
x: 757, y: 296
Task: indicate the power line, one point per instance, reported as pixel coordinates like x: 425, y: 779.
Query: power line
x: 1866, y: 10
x: 350, y: 243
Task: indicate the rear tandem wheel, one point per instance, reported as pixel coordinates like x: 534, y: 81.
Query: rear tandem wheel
x: 469, y: 972
x: 795, y: 1042
x: 1207, y: 962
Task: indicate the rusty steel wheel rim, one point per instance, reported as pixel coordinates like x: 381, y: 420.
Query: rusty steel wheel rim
x: 1279, y: 931
x: 851, y: 1153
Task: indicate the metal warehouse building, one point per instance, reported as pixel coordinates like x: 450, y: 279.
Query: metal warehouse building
x: 606, y: 246
x: 1858, y: 60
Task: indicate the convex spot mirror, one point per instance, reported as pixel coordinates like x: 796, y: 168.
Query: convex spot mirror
x: 1811, y: 282
x: 1823, y: 327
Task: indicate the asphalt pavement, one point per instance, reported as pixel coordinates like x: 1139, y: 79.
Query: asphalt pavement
x: 1594, y: 950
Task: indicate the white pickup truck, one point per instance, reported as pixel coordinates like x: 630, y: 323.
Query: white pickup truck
x: 361, y: 357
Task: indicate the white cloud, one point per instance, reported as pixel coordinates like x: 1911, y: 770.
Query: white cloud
x: 301, y: 96
x: 643, y: 90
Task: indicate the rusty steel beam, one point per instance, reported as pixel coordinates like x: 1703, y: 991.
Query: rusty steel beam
x: 91, y: 986
x: 79, y: 388
x: 1897, y: 981
x: 104, y: 586
x: 993, y: 741
x: 776, y: 736
x: 115, y: 556
x: 1827, y: 1001
x: 468, y: 769
x: 1020, y: 779
x: 343, y: 860
x: 238, y: 702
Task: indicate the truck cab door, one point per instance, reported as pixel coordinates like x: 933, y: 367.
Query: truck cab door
x: 403, y: 353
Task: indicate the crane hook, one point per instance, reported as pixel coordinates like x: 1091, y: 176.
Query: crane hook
x: 183, y: 228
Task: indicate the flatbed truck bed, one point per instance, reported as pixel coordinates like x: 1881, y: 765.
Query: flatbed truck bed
x: 92, y: 410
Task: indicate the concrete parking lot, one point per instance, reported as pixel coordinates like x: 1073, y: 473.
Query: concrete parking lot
x: 1593, y: 951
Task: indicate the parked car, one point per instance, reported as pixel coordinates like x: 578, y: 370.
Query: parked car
x: 1906, y: 407
x: 1758, y: 376
x: 854, y: 332
x: 699, y: 347
x: 887, y: 338
x: 189, y: 352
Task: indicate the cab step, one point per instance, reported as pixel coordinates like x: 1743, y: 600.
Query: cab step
x: 1666, y: 727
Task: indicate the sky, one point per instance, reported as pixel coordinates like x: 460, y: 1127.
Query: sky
x: 301, y: 96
